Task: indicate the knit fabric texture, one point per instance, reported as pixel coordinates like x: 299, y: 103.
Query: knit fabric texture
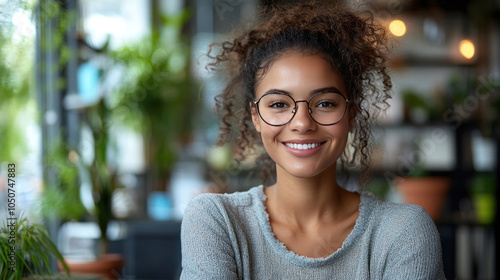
x: 228, y: 236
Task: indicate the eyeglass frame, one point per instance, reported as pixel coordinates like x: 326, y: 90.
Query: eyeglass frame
x: 294, y: 110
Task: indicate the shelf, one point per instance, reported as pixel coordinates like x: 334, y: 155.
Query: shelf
x: 74, y: 101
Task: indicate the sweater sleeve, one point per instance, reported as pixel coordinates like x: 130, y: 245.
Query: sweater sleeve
x: 416, y: 253
x: 207, y: 251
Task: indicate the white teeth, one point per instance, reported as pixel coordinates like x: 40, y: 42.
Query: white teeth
x: 302, y: 146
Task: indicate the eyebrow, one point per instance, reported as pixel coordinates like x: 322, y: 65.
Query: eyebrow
x: 325, y: 89
x: 313, y: 92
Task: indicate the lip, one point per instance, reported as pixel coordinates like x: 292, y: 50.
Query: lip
x: 304, y: 141
x: 300, y: 152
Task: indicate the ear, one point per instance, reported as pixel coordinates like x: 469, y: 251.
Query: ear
x: 255, y: 117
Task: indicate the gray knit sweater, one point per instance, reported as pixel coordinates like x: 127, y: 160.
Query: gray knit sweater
x: 229, y: 237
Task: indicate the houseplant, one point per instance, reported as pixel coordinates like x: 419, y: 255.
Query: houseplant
x: 419, y: 107
x: 25, y: 250
x: 156, y: 89
x: 103, y: 177
x: 427, y: 191
x: 24, y: 243
x: 157, y: 96
x: 64, y: 202
x: 482, y: 191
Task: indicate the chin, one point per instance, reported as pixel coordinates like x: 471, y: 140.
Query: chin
x: 306, y: 171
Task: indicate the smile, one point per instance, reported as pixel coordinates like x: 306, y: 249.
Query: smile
x: 302, y: 146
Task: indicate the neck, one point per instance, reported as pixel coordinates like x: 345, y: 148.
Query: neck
x: 305, y: 201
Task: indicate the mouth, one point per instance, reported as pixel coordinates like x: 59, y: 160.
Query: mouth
x: 303, y: 146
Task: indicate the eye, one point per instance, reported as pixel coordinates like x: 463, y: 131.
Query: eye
x: 278, y: 104
x: 326, y: 104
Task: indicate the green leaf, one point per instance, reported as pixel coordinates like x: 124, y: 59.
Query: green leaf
x: 33, y: 242
x: 176, y: 20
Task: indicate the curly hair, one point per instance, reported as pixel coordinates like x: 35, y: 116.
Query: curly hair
x: 352, y: 43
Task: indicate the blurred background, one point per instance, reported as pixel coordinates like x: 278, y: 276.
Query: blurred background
x: 106, y: 110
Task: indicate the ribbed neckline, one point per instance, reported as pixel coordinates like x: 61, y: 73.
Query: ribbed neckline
x: 263, y: 217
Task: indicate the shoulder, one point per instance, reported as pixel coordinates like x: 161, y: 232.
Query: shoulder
x: 211, y: 200
x: 406, y: 241
x: 397, y: 215
x: 211, y: 234
x: 394, y: 222
x: 219, y: 205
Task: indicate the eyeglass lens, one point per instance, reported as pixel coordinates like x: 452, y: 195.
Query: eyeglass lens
x: 325, y: 108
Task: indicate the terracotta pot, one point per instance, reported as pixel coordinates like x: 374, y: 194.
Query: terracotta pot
x: 428, y: 192
x: 108, y: 265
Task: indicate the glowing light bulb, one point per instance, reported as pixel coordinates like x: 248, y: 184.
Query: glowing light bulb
x: 467, y: 48
x: 397, y: 27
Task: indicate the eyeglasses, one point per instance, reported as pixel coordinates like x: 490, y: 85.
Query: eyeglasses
x: 325, y: 108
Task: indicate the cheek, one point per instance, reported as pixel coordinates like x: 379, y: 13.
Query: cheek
x: 344, y: 130
x: 340, y: 132
x: 269, y: 137
x: 269, y: 133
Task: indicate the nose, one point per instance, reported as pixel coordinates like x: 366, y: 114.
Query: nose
x: 302, y: 120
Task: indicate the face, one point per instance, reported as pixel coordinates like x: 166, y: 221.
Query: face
x: 301, y: 76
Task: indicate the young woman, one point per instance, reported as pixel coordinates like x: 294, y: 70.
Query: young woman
x: 309, y: 79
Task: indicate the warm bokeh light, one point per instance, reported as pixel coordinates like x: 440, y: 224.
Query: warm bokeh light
x: 397, y: 27
x: 467, y: 48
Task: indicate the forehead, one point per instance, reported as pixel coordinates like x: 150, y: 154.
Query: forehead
x: 300, y: 74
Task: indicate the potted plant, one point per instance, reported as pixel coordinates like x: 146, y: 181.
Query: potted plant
x: 427, y: 191
x: 154, y: 101
x: 157, y: 96
x: 420, y: 108
x: 103, y: 177
x: 64, y: 201
x: 482, y: 192
x: 25, y: 246
x: 26, y: 249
